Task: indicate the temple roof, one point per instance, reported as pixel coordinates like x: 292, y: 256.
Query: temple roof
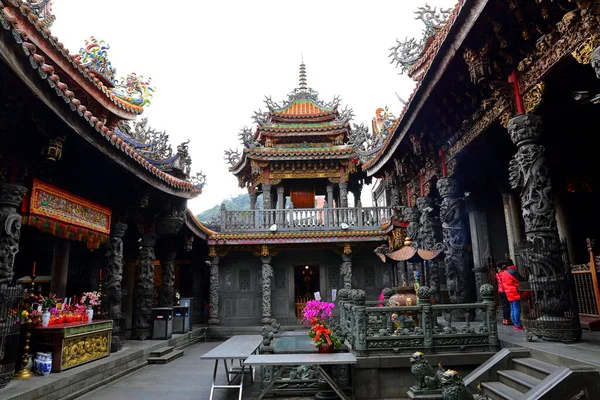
x: 416, y: 58
x: 75, y: 80
x: 303, y: 127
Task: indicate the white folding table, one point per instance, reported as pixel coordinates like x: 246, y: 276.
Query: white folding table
x: 281, y: 361
x: 239, y: 348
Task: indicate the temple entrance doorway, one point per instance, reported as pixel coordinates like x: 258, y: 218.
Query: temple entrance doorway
x: 306, y: 283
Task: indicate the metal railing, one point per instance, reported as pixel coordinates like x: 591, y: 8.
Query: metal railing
x: 305, y: 219
x: 368, y: 330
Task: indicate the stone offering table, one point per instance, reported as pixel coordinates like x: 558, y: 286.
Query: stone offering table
x: 74, y: 343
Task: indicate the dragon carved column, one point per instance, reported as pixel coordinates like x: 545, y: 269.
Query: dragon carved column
x: 343, y: 194
x: 543, y: 257
x: 459, y: 278
x: 411, y: 214
x: 214, y: 291
x: 167, y: 288
x: 346, y: 270
x: 144, y: 288
x: 10, y: 232
x: 112, y: 281
x: 430, y: 237
x: 267, y: 275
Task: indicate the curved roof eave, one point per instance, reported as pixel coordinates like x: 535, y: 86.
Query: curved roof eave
x: 467, y: 16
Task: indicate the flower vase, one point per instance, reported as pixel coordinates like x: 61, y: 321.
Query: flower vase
x: 45, y: 318
x: 45, y: 364
x: 90, y: 313
x: 326, y: 348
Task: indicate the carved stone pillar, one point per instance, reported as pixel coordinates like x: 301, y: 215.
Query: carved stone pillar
x: 267, y: 275
x: 430, y: 237
x: 529, y: 171
x: 411, y: 214
x: 167, y: 287
x: 482, y: 247
x: 549, y: 281
x: 214, y: 291
x: 343, y: 194
x: 144, y: 288
x: 346, y: 271
x: 329, y: 189
x: 394, y: 197
x: 10, y: 231
x: 253, y: 197
x: 280, y: 198
x: 356, y: 192
x: 513, y: 222
x: 266, y: 192
x: 452, y: 215
x: 113, y: 277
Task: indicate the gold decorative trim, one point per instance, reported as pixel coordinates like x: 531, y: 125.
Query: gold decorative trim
x: 533, y: 98
x: 583, y: 53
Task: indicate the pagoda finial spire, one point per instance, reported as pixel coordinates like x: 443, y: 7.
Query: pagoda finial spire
x: 302, y: 74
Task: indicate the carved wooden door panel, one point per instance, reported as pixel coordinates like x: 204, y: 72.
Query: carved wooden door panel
x: 280, y: 295
x: 241, y: 294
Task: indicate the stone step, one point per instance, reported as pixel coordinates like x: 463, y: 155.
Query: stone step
x: 532, y: 367
x: 500, y: 391
x: 167, y: 358
x: 162, y: 351
x: 518, y: 380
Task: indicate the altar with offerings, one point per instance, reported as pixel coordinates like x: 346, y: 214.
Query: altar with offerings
x: 73, y: 343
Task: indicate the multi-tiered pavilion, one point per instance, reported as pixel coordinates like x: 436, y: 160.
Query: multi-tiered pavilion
x: 299, y: 160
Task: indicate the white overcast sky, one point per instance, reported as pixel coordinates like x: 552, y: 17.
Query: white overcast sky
x: 212, y: 62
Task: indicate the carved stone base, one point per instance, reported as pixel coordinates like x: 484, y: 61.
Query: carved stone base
x: 547, y: 331
x: 141, y: 334
x: 325, y: 391
x: 435, y: 394
x: 266, y: 320
x: 115, y: 344
x: 214, y: 321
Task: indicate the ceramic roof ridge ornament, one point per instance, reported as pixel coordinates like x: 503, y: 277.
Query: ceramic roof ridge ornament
x: 406, y: 53
x: 43, y: 10
x: 94, y: 55
x: 153, y: 146
x: 134, y: 89
x: 368, y: 144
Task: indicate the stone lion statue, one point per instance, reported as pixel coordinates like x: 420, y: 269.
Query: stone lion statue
x: 423, y: 372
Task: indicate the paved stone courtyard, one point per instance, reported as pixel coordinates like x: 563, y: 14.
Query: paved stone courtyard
x: 187, y: 377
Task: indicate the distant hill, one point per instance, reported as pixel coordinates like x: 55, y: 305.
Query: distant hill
x: 241, y: 202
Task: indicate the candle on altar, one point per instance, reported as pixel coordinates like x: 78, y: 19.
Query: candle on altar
x: 100, y: 273
x: 33, y: 272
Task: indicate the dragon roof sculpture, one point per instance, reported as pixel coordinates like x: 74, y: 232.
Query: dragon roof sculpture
x: 409, y: 53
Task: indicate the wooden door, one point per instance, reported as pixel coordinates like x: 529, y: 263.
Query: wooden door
x: 303, y: 198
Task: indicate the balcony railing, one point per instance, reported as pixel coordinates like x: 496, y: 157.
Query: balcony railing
x: 306, y: 219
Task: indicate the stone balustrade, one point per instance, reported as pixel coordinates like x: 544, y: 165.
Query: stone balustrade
x: 306, y: 219
x: 430, y: 328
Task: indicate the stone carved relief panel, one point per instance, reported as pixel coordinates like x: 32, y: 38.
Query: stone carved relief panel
x: 333, y: 277
x: 244, y: 279
x: 280, y: 279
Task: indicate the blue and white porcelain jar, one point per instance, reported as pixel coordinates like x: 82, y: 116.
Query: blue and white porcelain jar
x: 36, y: 362
x: 46, y: 364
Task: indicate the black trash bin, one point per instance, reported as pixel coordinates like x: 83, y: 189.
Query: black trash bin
x: 181, y: 319
x: 187, y: 302
x: 162, y: 323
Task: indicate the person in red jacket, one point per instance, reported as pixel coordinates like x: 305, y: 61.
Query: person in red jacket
x: 510, y: 283
x: 506, y: 318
